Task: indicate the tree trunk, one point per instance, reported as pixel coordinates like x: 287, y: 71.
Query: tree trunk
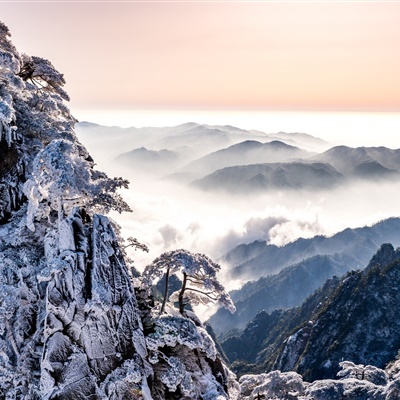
x: 181, y: 293
x: 165, y: 292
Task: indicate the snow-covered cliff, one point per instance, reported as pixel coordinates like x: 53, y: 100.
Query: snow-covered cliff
x: 71, y: 325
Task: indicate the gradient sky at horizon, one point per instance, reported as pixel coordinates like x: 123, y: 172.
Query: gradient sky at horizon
x: 217, y: 55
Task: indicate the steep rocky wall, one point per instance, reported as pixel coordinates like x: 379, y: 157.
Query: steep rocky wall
x: 359, y: 322
x: 11, y: 175
x: 355, y: 318
x: 70, y: 326
x: 92, y: 325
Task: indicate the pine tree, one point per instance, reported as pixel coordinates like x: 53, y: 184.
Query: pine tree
x: 199, y: 279
x: 38, y: 143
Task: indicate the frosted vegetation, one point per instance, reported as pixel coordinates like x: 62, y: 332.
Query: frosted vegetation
x: 72, y: 324
x: 199, y: 280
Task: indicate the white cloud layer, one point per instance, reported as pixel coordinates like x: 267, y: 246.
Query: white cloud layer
x: 169, y: 215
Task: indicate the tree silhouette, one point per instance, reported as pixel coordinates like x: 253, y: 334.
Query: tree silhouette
x: 199, y: 279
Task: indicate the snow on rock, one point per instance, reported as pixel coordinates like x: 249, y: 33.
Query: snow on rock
x: 123, y: 382
x: 177, y: 375
x: 70, y: 323
x: 185, y: 361
x: 92, y: 317
x: 65, y: 334
x: 170, y: 331
x: 357, y: 382
x: 349, y: 389
x: 274, y: 385
x: 294, y: 345
x: 392, y: 390
x: 363, y: 372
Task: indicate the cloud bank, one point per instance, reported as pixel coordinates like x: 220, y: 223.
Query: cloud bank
x: 169, y: 215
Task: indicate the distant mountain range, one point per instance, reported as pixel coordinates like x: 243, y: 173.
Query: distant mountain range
x: 144, y: 159
x: 339, y: 164
x: 353, y: 318
x: 303, y: 266
x: 233, y: 160
x: 191, y: 140
x: 191, y: 133
x: 304, y: 140
x: 244, y: 153
x: 347, y: 159
x: 263, y: 177
x: 251, y: 261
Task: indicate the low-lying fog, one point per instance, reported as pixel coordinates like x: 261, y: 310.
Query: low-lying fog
x: 168, y: 214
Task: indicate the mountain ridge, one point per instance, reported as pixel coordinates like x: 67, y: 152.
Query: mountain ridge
x: 271, y: 176
x: 306, y: 265
x: 352, y: 317
x: 244, y: 153
x: 261, y: 256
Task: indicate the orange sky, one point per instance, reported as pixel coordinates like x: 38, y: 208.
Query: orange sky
x: 254, y: 56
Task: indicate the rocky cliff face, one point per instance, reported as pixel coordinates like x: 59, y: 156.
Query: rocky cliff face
x: 359, y: 321
x: 93, y: 331
x: 72, y: 326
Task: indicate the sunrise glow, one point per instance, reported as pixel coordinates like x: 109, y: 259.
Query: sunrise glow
x: 219, y: 55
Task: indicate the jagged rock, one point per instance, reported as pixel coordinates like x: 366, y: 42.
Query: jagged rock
x: 275, y: 385
x: 92, y: 313
x: 70, y: 323
x: 350, y: 389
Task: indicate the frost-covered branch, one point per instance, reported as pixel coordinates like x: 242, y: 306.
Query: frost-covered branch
x: 210, y: 295
x: 198, y: 273
x: 133, y: 242
x: 61, y: 176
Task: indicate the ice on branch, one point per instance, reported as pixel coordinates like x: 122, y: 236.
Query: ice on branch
x: 199, y: 279
x: 63, y: 179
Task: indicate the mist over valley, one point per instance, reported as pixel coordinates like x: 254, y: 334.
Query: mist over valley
x: 211, y: 188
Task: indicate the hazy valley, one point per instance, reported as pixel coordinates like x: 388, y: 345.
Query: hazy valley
x: 214, y: 187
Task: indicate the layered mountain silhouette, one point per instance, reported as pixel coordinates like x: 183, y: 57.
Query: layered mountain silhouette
x: 251, y: 261
x: 304, y: 140
x: 145, y: 160
x: 353, y: 318
x: 339, y: 164
x: 321, y: 258
x: 362, y: 161
x: 191, y: 140
x: 234, y: 160
x: 264, y: 177
x: 244, y: 153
